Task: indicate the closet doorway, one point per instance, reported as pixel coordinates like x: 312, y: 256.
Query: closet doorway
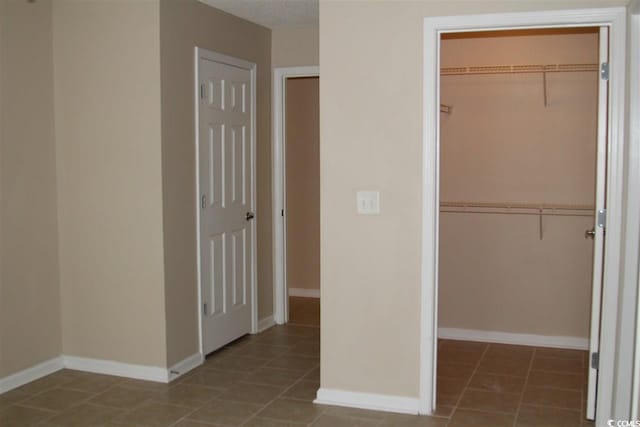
x: 522, y: 167
x: 297, y: 196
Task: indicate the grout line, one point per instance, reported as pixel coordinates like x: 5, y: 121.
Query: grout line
x: 464, y: 389
x: 524, y: 388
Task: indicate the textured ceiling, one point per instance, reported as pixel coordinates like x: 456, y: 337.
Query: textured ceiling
x: 271, y: 13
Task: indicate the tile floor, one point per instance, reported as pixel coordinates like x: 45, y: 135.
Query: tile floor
x: 270, y: 380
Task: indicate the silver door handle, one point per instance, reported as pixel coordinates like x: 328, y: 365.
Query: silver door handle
x: 249, y: 216
x: 590, y: 234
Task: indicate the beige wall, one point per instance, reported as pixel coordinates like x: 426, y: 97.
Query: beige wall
x: 29, y: 281
x: 371, y: 136
x: 107, y: 104
x: 294, y: 47
x: 501, y: 144
x: 303, y: 183
x: 184, y: 25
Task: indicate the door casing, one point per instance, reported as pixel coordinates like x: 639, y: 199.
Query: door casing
x: 217, y: 57
x: 615, y: 19
x: 280, y: 296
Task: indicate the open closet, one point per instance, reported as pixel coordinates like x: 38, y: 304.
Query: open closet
x: 518, y: 168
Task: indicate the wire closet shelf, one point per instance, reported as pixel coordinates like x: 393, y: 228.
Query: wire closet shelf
x: 509, y: 208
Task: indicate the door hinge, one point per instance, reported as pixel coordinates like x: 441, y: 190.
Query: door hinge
x: 204, y: 309
x: 203, y: 201
x: 595, y: 360
x: 604, y: 71
x: 602, y: 218
x: 282, y: 212
x: 202, y: 91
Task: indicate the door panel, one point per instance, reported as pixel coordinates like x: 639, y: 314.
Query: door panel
x: 227, y: 241
x: 599, y: 231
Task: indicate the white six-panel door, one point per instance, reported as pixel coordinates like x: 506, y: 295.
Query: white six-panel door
x: 226, y: 190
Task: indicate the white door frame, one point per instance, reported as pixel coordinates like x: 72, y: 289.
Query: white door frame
x: 615, y: 19
x: 229, y: 60
x: 280, y: 76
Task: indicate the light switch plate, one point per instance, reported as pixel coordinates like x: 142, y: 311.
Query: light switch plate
x: 368, y: 202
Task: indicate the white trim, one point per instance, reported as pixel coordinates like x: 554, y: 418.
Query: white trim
x: 375, y: 402
x: 120, y: 369
x: 184, y: 366
x: 572, y: 343
x: 304, y: 293
x: 30, y: 374
x: 280, y: 303
x: 252, y: 67
x: 433, y: 27
x: 265, y: 323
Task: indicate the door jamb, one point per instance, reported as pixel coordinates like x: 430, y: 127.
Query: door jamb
x: 615, y: 18
x: 280, y: 75
x: 240, y: 63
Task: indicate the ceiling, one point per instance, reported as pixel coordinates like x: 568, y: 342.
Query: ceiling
x: 271, y: 13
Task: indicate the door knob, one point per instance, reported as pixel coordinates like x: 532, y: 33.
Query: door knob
x: 249, y: 216
x: 590, y: 234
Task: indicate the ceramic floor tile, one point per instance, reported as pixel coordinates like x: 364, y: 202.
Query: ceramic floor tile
x: 86, y: 415
x: 93, y: 383
x: 291, y: 410
x: 498, y: 383
x: 223, y: 413
x: 294, y: 363
x: 489, y: 401
x: 234, y: 363
x: 214, y: 378
x: 266, y: 422
x: 344, y: 412
x: 57, y: 399
x: 567, y: 399
x: 399, y: 420
x: 19, y: 416
x: 556, y: 380
x: 469, y: 418
x: 303, y: 390
x: 455, y: 370
x: 563, y: 366
x: 274, y: 377
x: 123, y: 397
x: 336, y: 421
x: 541, y: 416
x: 511, y: 367
x: 251, y: 393
x: 559, y: 353
x: 153, y: 415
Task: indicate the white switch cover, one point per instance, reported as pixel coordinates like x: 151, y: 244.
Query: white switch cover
x: 368, y: 202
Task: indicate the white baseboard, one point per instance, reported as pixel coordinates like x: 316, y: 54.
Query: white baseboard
x: 376, y: 402
x: 110, y: 367
x: 30, y: 374
x: 573, y: 343
x: 185, y: 365
x: 265, y: 324
x: 305, y: 293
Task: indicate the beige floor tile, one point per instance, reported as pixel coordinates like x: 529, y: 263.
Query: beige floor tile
x: 541, y: 416
x: 306, y: 348
x: 191, y: 423
x: 469, y: 418
x: 275, y: 377
x: 510, y: 367
x: 399, y: 420
x: 449, y: 390
x: 214, y: 378
x: 57, y: 399
x: 19, y: 416
x: 303, y: 390
x: 489, y: 401
x: 44, y: 384
x: 233, y: 363
x: 563, y: 366
x: 191, y: 395
x: 251, y: 393
x: 221, y: 413
x: 560, y: 353
x: 294, y: 363
x: 86, y: 415
x: 11, y: 397
x: 153, y: 414
x: 556, y: 380
x: 498, y: 383
x: 261, y: 351
x: 93, y: 383
x: 266, y: 422
x: 291, y: 410
x: 567, y: 399
x: 455, y: 370
x: 123, y: 397
x: 327, y: 420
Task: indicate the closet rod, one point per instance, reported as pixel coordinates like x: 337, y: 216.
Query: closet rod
x: 517, y: 208
x: 518, y: 69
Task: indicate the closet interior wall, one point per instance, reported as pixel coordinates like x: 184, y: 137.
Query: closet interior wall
x: 501, y: 144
